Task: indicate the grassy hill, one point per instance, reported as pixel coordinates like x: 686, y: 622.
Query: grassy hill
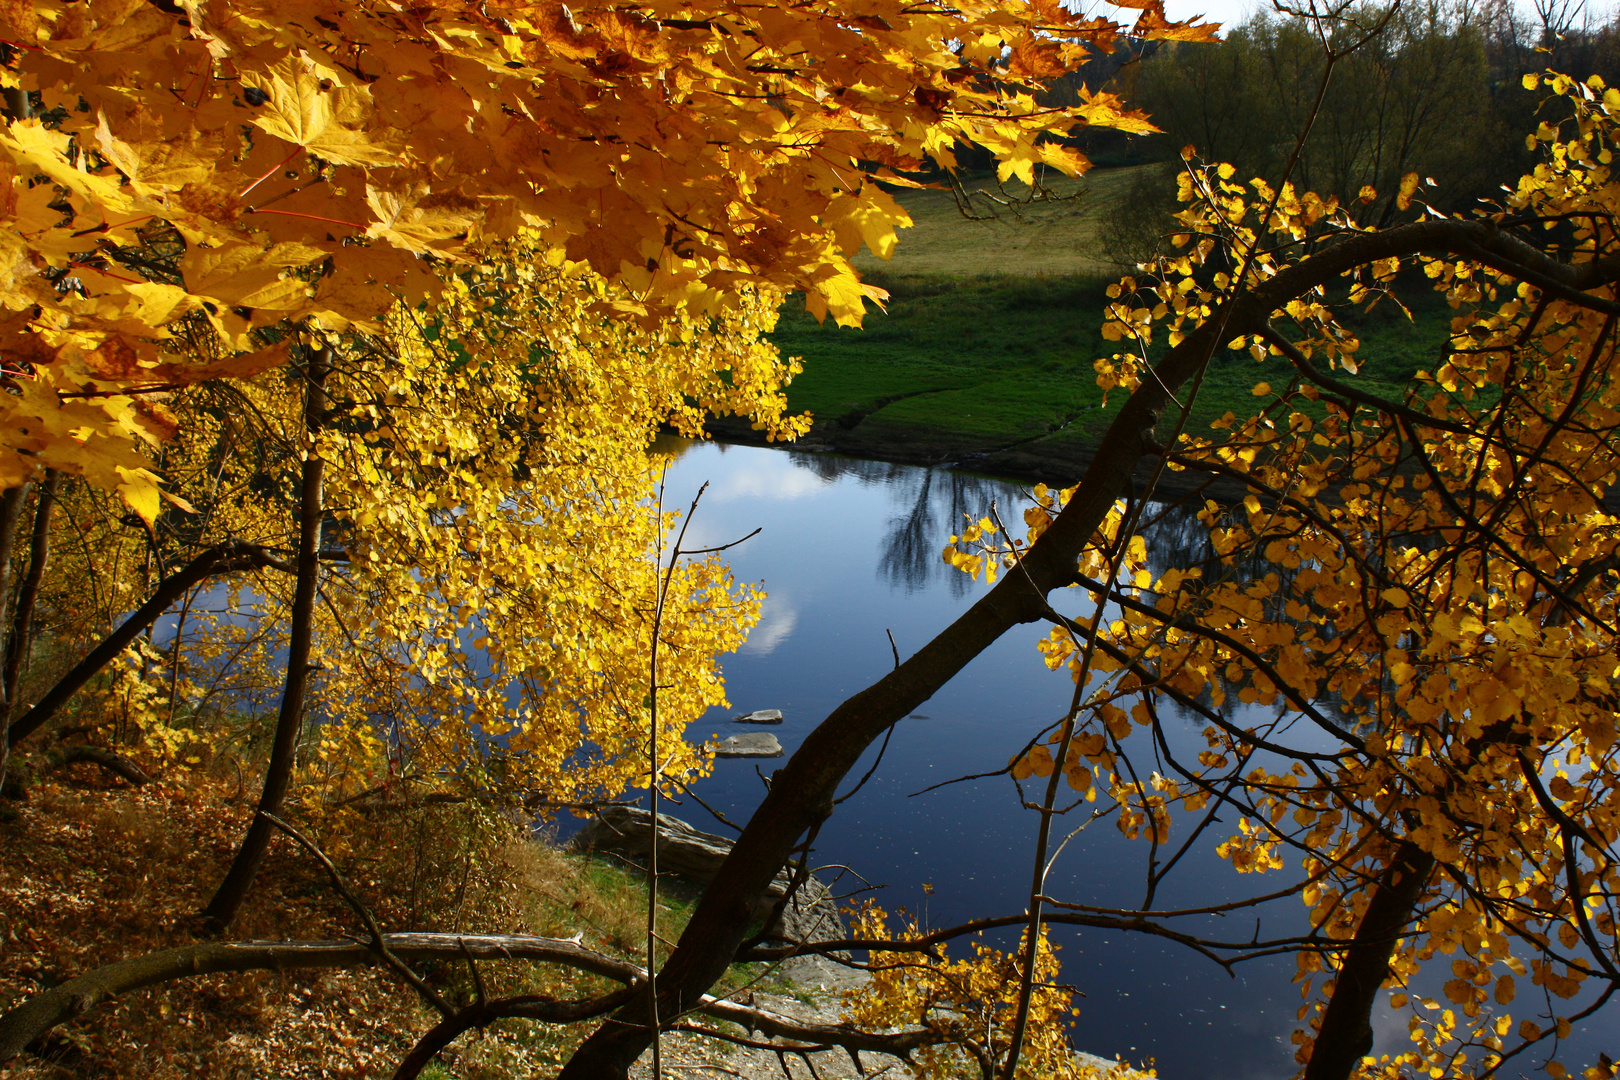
x: 985, y: 351
x: 1055, y: 236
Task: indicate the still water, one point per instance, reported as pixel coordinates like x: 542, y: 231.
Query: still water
x: 849, y: 552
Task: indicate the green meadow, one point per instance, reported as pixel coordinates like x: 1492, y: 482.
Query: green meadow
x: 992, y: 325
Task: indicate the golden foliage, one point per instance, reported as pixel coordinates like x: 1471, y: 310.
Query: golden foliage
x: 970, y: 1003
x: 487, y: 606
x: 233, y: 165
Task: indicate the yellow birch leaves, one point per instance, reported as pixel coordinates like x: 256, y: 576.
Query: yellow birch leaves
x: 1402, y: 634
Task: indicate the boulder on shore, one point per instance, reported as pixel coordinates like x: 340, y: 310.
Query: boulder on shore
x: 811, y: 915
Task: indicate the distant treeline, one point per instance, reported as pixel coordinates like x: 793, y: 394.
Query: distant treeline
x: 1436, y: 87
x: 1437, y: 91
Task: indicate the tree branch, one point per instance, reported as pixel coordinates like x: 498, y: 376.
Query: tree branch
x: 114, y: 763
x: 34, y: 1017
x: 227, y: 558
x: 483, y: 1013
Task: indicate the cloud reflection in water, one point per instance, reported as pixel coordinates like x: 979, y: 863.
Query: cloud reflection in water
x: 777, y: 619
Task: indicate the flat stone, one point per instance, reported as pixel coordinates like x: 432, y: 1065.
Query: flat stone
x: 809, y: 915
x: 762, y: 716
x: 626, y: 831
x: 760, y: 745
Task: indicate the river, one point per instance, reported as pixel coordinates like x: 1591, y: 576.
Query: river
x: 849, y: 552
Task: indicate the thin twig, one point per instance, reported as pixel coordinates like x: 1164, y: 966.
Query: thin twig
x: 378, y: 944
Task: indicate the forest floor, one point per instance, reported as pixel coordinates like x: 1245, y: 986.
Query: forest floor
x: 983, y: 356
x: 95, y: 871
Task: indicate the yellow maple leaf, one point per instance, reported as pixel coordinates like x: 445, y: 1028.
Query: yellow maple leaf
x: 408, y: 219
x: 869, y: 216
x: 47, y: 151
x: 305, y: 109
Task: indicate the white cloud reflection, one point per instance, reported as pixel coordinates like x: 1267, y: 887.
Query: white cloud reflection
x: 777, y: 620
x: 772, y: 476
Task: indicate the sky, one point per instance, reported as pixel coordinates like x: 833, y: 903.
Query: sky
x: 1232, y: 12
x: 1226, y: 12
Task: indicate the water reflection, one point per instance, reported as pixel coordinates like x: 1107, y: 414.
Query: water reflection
x: 930, y: 506
x: 777, y: 618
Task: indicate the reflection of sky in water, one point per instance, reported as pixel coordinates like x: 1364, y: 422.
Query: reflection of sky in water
x: 777, y: 618
x: 851, y: 549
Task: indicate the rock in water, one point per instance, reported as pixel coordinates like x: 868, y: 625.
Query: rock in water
x: 762, y: 716
x: 753, y: 745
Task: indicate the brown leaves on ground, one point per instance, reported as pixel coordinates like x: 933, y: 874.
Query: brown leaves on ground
x: 94, y: 876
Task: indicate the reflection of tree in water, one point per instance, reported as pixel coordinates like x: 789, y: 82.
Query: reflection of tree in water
x: 1176, y: 538
x: 931, y: 504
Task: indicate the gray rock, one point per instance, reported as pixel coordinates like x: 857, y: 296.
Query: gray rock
x: 762, y: 716
x: 809, y: 916
x: 761, y: 744
x: 625, y: 831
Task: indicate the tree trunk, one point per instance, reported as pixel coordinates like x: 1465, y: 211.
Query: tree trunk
x: 22, y: 619
x: 289, y: 723
x: 1346, y: 1033
x: 11, y: 508
x: 17, y: 649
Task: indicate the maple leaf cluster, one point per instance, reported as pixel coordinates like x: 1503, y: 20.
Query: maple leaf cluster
x: 223, y: 171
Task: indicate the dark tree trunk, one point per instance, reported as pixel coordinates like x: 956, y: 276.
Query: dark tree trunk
x: 18, y: 647
x: 238, y: 881
x: 11, y: 508
x: 1346, y: 1033
x: 39, y: 556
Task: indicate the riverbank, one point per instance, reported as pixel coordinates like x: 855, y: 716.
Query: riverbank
x: 1057, y: 462
x: 994, y: 375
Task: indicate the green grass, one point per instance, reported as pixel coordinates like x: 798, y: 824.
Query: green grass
x: 1053, y: 237
x: 992, y: 327
x: 984, y: 356
x: 993, y: 361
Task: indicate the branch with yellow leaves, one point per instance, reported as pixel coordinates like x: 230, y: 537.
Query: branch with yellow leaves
x: 230, y: 557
